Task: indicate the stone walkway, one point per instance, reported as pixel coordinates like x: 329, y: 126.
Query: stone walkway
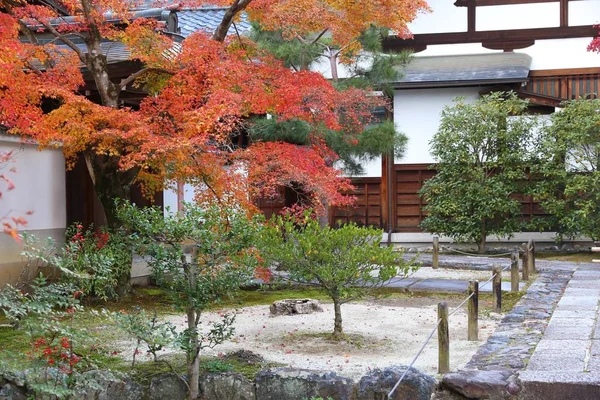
x: 546, y: 348
x: 566, y: 361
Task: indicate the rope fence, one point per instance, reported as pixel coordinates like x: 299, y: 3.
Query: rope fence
x: 473, y: 307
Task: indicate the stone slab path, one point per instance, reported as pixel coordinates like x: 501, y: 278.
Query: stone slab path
x: 566, y: 361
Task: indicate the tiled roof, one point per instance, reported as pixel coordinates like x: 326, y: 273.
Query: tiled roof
x: 457, y: 70
x: 207, y: 19
x: 183, y: 22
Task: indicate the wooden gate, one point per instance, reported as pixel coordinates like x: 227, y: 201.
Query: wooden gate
x: 407, y: 205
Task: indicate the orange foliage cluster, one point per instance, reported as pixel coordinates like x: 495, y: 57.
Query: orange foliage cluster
x: 203, y: 93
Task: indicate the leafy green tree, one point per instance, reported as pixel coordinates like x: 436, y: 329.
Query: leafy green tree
x: 219, y: 258
x: 569, y: 168
x: 483, y: 151
x: 344, y: 262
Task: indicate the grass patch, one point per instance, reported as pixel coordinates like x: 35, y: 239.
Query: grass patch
x: 573, y: 257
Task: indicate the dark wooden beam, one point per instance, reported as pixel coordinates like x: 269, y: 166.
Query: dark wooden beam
x: 471, y: 16
x: 564, y: 12
x: 485, y: 3
x: 508, y: 45
x: 490, y: 37
x: 564, y: 72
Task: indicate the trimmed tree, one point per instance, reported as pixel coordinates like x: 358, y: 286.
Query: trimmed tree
x: 344, y: 262
x: 219, y: 259
x: 569, y: 168
x: 482, y: 150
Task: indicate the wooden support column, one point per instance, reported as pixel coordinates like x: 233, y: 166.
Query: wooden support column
x: 387, y: 164
x: 471, y: 16
x: 564, y: 13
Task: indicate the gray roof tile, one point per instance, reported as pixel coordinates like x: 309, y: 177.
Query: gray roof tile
x: 206, y: 19
x: 464, y: 69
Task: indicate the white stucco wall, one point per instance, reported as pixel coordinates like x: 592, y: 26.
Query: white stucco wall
x: 39, y: 182
x: 39, y: 185
x: 170, y: 197
x: 417, y: 114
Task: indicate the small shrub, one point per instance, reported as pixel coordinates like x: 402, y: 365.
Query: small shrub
x: 148, y: 330
x: 94, y: 260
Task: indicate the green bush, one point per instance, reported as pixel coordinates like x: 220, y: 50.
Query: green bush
x: 98, y: 262
x: 483, y: 152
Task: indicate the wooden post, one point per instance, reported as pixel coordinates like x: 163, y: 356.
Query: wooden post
x: 473, y: 310
x: 525, y: 264
x: 436, y: 252
x: 497, y: 289
x: 531, y: 264
x: 514, y: 271
x: 443, y: 339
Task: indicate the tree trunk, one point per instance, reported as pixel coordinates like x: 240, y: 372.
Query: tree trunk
x: 337, y: 326
x: 193, y: 368
x: 110, y: 183
x: 481, y: 245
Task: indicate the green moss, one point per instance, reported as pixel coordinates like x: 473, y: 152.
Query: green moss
x: 573, y: 257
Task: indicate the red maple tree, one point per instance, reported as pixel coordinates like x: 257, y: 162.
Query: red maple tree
x: 201, y: 93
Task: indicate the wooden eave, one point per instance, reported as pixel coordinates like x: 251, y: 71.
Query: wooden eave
x: 506, y: 40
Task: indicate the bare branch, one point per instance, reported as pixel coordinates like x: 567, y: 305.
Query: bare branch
x: 233, y: 10
x: 319, y: 36
x: 65, y: 40
x: 134, y: 76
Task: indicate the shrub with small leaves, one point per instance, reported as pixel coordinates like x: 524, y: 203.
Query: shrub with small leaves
x: 94, y: 260
x: 146, y: 329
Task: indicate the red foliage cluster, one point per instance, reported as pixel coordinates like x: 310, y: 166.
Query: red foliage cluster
x: 58, y: 355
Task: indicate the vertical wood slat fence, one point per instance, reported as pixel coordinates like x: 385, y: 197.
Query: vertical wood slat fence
x: 407, y: 205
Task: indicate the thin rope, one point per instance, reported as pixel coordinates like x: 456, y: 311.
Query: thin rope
x: 475, y: 255
x: 433, y: 331
x: 414, y: 359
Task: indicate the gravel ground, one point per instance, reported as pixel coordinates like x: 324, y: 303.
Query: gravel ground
x: 382, y: 332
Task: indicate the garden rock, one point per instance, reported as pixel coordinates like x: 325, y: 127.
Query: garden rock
x: 416, y: 385
x: 9, y: 391
x: 167, y: 386
x: 106, y: 385
x: 300, y: 384
x: 493, y: 385
x: 295, y: 306
x: 226, y: 386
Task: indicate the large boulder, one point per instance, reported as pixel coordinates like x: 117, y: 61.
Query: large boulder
x: 474, y: 384
x: 416, y: 385
x: 295, y: 306
x: 10, y: 391
x: 167, y: 386
x: 226, y: 386
x: 301, y: 384
x: 106, y: 385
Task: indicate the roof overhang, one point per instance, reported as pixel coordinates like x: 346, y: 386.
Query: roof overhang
x: 465, y: 70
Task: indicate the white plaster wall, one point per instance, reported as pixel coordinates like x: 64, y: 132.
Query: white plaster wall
x: 417, y: 113
x: 39, y: 185
x: 170, y: 197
